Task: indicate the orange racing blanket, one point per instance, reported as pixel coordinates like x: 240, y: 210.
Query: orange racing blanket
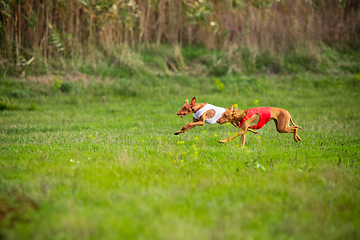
x: 264, y: 114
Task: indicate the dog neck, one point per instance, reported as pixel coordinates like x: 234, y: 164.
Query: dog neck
x: 239, y: 114
x: 197, y: 106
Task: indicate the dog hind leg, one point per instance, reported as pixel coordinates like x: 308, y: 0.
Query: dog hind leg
x: 292, y: 122
x: 282, y: 125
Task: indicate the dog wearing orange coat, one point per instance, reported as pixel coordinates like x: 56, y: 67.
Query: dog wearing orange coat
x: 256, y: 118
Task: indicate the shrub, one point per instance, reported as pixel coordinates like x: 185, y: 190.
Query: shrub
x: 7, y: 104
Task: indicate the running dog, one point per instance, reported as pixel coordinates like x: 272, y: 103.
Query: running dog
x: 202, y: 113
x: 256, y: 118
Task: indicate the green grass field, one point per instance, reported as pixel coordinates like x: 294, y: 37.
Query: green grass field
x: 97, y: 159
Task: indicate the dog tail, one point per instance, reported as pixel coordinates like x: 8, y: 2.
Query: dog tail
x: 292, y: 122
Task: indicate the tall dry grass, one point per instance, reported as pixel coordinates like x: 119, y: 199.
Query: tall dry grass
x: 60, y: 28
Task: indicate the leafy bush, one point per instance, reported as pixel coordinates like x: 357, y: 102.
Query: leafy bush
x: 18, y: 93
x: 7, y: 104
x: 66, y: 87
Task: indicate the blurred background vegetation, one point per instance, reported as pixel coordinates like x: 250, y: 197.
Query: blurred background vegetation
x: 197, y: 37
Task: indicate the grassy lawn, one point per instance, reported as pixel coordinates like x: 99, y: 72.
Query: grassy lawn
x: 99, y: 160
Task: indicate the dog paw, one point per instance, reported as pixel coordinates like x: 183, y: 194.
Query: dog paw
x: 222, y: 141
x: 177, y: 133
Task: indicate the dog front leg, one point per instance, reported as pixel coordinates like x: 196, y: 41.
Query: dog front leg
x: 243, y: 137
x: 189, y: 126
x: 255, y: 132
x: 236, y: 124
x: 241, y: 132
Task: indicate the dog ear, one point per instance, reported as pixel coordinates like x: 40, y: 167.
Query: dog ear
x: 193, y: 101
x: 186, y: 100
x: 231, y: 107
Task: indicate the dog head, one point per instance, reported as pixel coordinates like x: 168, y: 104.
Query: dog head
x: 187, y: 108
x: 228, y: 115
